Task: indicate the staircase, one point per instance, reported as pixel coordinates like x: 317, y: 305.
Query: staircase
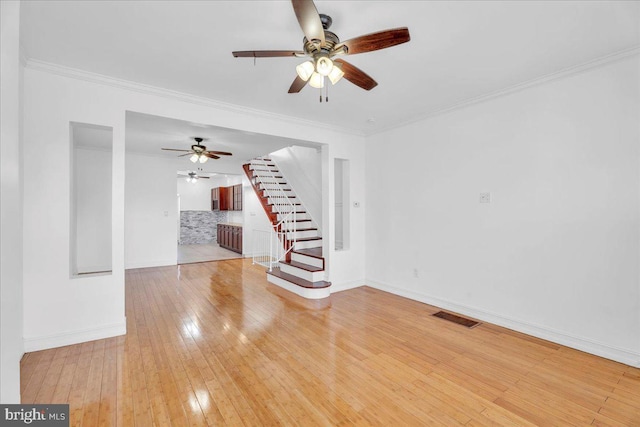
x: 300, y: 266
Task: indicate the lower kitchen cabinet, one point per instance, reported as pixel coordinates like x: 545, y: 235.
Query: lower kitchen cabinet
x: 230, y: 237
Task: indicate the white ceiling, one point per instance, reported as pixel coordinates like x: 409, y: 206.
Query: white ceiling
x: 458, y: 50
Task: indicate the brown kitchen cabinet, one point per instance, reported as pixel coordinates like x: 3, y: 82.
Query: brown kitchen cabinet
x: 226, y: 198
x: 230, y: 237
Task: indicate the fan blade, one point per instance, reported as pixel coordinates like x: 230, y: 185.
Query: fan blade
x: 188, y: 154
x: 309, y: 20
x: 209, y: 155
x: 356, y: 76
x: 297, y: 85
x: 220, y: 153
x: 173, y: 149
x: 265, y: 53
x: 203, y: 177
x: 375, y: 41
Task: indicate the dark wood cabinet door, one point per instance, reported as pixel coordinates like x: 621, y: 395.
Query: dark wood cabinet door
x: 225, y: 199
x: 215, y: 199
x: 237, y: 197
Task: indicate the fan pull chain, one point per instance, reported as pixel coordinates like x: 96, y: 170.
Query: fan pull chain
x: 327, y: 94
x: 320, y: 94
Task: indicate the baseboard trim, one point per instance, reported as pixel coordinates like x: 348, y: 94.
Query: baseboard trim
x: 589, y: 346
x: 152, y: 263
x: 75, y: 337
x: 346, y: 286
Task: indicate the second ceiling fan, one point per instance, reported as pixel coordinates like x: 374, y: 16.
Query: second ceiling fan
x: 198, y: 152
x: 322, y: 46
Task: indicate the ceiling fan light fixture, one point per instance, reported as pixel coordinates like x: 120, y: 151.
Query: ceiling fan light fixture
x: 203, y: 158
x: 305, y: 70
x: 336, y: 74
x: 317, y: 81
x: 324, y: 64
x: 194, y: 158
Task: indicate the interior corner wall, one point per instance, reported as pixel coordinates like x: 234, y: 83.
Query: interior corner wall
x: 11, y: 297
x: 151, y: 212
x: 556, y: 252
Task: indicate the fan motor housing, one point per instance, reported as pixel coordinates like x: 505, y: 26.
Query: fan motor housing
x: 331, y: 39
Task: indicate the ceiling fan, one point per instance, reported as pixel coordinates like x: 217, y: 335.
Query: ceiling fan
x: 199, y: 152
x: 322, y: 46
x: 193, y: 177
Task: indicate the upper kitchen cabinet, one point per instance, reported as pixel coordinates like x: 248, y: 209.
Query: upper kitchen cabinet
x: 226, y: 198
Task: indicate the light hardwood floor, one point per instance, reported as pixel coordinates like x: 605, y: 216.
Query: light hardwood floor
x: 215, y: 344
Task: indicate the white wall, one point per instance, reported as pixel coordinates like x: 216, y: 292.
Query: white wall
x: 11, y: 344
x: 195, y: 196
x: 556, y: 252
x: 302, y: 168
x: 94, y: 307
x: 254, y: 217
x: 151, y: 212
x: 93, y: 210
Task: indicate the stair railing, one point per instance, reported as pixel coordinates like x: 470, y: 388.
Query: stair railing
x: 274, y: 247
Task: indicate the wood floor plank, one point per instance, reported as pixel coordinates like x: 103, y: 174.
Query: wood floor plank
x: 215, y: 344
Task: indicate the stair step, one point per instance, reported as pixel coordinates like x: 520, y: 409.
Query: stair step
x: 297, y: 280
x: 304, y: 288
x: 314, y: 252
x: 300, y: 215
x: 307, y: 239
x: 302, y: 234
x: 304, y: 271
x: 302, y: 266
x: 300, y: 224
x: 308, y: 259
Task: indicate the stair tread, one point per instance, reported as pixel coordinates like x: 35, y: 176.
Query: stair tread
x: 303, y: 266
x: 298, y: 281
x: 303, y: 229
x: 307, y: 239
x: 312, y: 252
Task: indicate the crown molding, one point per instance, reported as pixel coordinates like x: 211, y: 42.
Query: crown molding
x: 566, y: 72
x: 91, y: 77
x: 208, y: 102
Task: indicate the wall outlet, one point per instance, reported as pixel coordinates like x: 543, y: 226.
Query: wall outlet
x: 485, y: 197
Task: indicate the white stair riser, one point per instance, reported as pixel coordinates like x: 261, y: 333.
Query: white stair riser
x: 274, y: 186
x: 312, y: 276
x: 284, y: 210
x: 291, y: 225
x: 262, y: 166
x: 282, y: 200
x: 299, y: 290
x: 302, y: 234
x: 309, y: 244
x: 278, y: 194
x: 316, y: 262
x: 260, y: 163
x: 297, y: 216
